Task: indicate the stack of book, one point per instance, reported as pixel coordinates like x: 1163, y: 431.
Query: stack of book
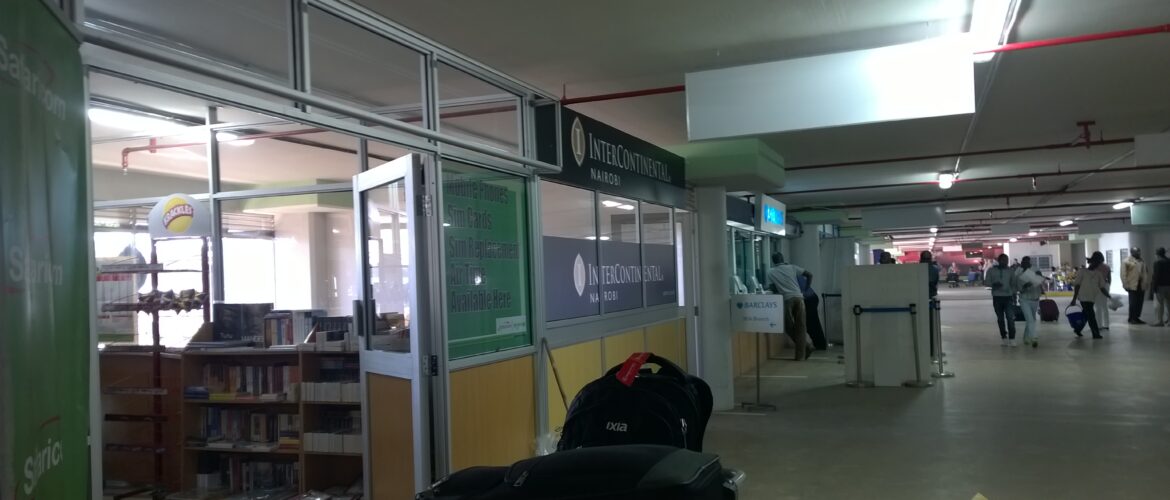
x: 332, y: 392
x: 241, y: 474
x: 229, y: 382
x: 340, y: 432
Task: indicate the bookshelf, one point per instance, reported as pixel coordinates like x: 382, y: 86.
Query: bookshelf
x: 139, y: 383
x: 314, y: 469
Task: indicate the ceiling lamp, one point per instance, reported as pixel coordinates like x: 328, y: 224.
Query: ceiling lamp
x: 933, y: 230
x: 625, y: 207
x: 233, y: 140
x: 610, y: 203
x: 946, y: 180
x: 1032, y: 233
x: 138, y: 123
x: 1123, y: 205
x: 990, y: 20
x: 1066, y: 223
x: 1013, y: 240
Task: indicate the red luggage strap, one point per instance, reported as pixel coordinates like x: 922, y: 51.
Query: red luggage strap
x: 631, y: 367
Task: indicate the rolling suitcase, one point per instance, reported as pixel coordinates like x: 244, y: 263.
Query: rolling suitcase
x: 1049, y: 312
x: 602, y: 473
x: 631, y: 404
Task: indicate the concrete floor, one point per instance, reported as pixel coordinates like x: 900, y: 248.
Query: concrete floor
x: 1076, y: 418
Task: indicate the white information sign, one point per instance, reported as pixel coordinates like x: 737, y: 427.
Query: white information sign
x: 757, y: 313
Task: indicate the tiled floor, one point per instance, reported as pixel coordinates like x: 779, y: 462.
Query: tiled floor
x: 1074, y: 419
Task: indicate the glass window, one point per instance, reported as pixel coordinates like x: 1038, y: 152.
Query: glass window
x: 620, y: 272
x: 485, y: 243
x: 276, y: 153
x: 570, y: 251
x: 121, y: 237
x: 294, y: 252
x: 474, y: 109
x: 355, y: 65
x: 210, y: 28
x: 387, y: 264
x: 659, y: 271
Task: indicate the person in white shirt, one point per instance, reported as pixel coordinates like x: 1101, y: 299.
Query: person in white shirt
x: 782, y: 280
x: 1030, y: 286
x: 1091, y: 288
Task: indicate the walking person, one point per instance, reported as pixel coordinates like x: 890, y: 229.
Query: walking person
x: 1160, y: 288
x: 1031, y: 284
x: 782, y: 280
x: 1102, y: 306
x: 1002, y: 280
x: 1091, y: 288
x: 1135, y: 277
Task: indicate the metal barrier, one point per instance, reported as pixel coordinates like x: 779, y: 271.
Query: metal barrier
x: 936, y: 352
x: 913, y: 310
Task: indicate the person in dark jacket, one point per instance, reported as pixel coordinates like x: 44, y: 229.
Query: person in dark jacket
x: 812, y: 304
x: 1160, y: 288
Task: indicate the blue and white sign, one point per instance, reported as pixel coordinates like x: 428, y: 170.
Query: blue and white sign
x: 770, y: 215
x: 757, y: 313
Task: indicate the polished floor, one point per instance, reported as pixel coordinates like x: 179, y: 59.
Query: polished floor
x: 1073, y: 419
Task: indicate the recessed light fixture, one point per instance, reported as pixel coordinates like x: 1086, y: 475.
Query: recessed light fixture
x: 626, y: 207
x: 946, y: 180
x: 610, y: 203
x: 233, y: 140
x: 1065, y: 223
x: 934, y: 230
x: 446, y: 224
x: 1013, y: 240
x: 1032, y: 233
x: 605, y: 238
x: 591, y: 237
x: 1123, y: 205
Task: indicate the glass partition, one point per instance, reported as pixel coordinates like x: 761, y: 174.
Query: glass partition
x: 621, y: 253
x: 568, y: 216
x: 659, y: 271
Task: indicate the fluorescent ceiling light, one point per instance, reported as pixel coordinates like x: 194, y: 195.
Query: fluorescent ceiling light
x: 626, y: 207
x: 233, y: 140
x: 934, y: 230
x: 1123, y: 205
x: 605, y: 238
x: 1032, y: 233
x: 1013, y: 240
x: 946, y: 180
x: 445, y: 224
x: 591, y: 237
x: 1065, y: 223
x: 140, y: 124
x: 610, y: 203
x: 989, y: 21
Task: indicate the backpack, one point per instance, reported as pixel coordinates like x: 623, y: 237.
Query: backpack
x: 631, y: 404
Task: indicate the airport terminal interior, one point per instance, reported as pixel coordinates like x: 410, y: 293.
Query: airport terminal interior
x: 396, y: 249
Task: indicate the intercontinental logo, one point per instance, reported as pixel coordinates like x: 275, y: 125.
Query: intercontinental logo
x: 577, y: 141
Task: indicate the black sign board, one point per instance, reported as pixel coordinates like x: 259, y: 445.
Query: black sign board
x: 597, y: 156
x: 576, y: 285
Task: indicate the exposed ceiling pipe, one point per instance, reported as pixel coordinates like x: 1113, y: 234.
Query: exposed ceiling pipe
x: 977, y: 179
x: 1025, y: 194
x: 983, y: 152
x: 1011, y: 47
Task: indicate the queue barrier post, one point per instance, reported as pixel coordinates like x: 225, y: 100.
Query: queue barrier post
x: 758, y: 404
x: 859, y: 381
x: 918, y: 381
x: 936, y: 332
x: 913, y: 310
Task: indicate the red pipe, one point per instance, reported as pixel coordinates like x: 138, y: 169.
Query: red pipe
x: 1011, y: 47
x: 977, y: 179
x: 1070, y: 40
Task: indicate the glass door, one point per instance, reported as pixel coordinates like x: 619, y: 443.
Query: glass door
x: 397, y: 334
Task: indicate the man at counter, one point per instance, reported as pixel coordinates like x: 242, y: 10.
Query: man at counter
x: 782, y: 280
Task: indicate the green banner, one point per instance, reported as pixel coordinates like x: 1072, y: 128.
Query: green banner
x: 44, y: 277
x: 485, y: 239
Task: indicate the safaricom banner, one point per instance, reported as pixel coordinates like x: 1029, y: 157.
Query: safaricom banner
x: 44, y: 259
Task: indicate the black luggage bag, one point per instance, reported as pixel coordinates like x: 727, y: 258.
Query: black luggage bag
x: 631, y: 472
x: 631, y: 404
x: 1049, y: 312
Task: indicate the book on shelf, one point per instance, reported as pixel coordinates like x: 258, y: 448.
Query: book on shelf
x: 253, y: 430
x: 238, y: 382
x: 251, y: 477
x: 340, y: 432
x: 289, y: 328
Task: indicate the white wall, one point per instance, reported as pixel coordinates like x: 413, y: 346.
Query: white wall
x: 1111, y: 245
x: 1023, y: 249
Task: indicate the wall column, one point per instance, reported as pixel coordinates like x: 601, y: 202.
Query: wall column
x: 715, y: 365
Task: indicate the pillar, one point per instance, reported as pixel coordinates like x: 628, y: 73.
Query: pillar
x: 714, y: 336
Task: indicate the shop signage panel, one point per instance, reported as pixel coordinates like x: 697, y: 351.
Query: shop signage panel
x: 570, y: 278
x: 757, y: 313
x: 597, y: 156
x: 485, y: 243
x: 659, y: 274
x: 179, y: 216
x: 620, y: 275
x: 45, y: 276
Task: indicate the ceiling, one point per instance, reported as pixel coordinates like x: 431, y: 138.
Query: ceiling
x: 1026, y: 98
x: 1033, y: 97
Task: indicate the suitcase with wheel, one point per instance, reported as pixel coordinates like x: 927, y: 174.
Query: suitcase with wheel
x: 632, y: 404
x: 1049, y: 312
x: 603, y: 473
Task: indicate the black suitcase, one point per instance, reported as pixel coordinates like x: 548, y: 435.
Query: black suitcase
x: 1049, y: 312
x: 603, y: 473
x: 631, y: 404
